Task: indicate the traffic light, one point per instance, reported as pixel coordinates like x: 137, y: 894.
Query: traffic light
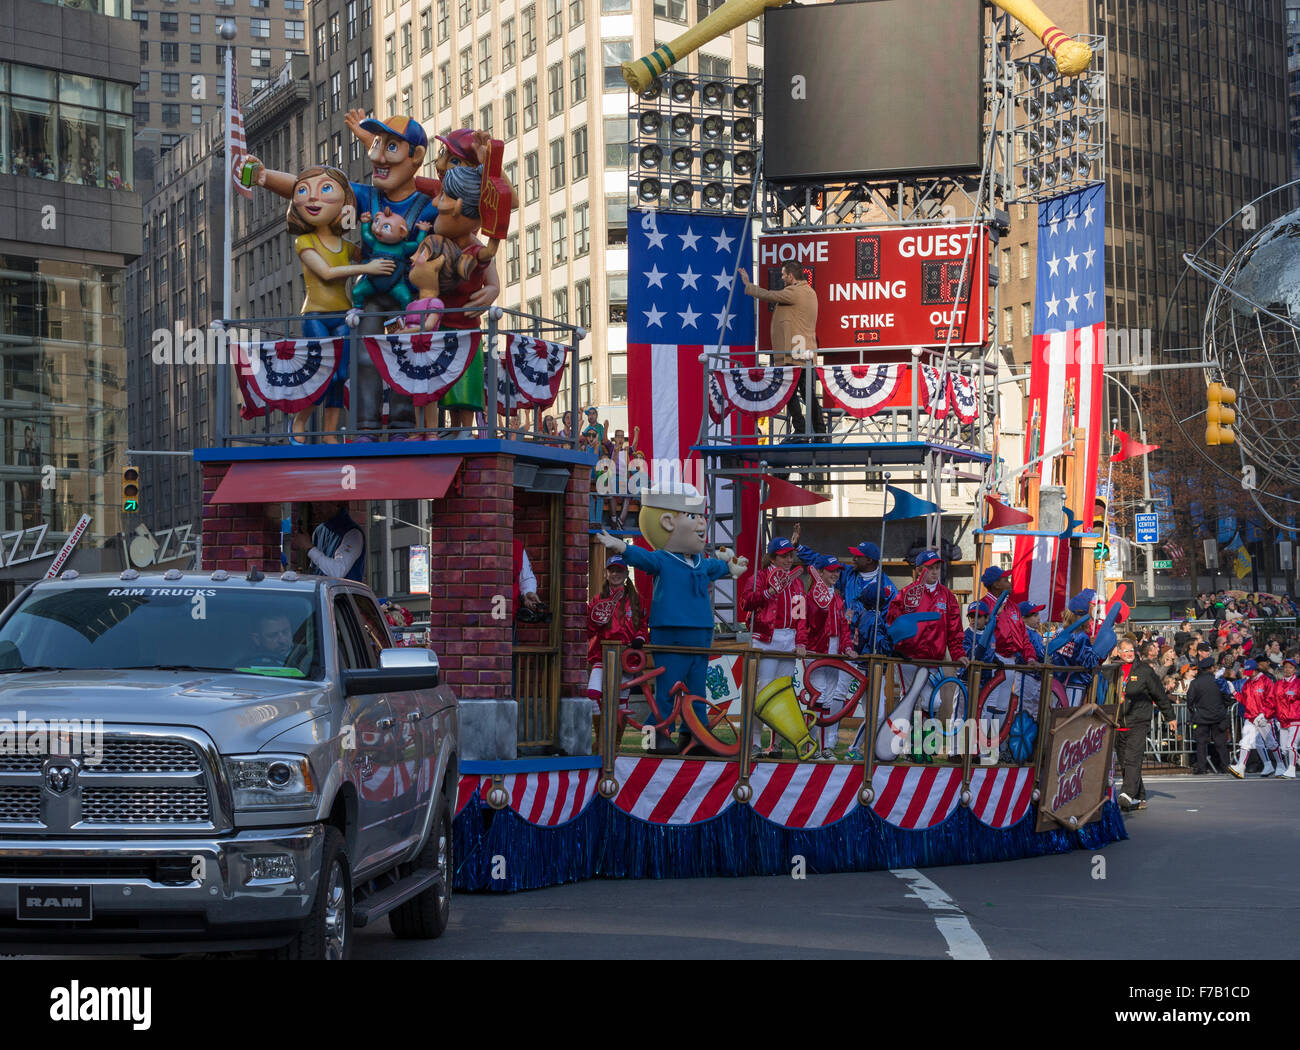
x: 130, y: 489
x: 1101, y: 552
x: 1218, y: 417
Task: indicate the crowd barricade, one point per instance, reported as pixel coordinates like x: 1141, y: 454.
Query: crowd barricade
x: 1166, y: 748
x: 869, y: 711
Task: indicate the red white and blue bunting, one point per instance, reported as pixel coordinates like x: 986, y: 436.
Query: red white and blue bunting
x: 934, y: 392
x: 285, y: 374
x: 717, y: 400
x: 861, y: 390
x: 536, y: 366
x: 423, y: 365
x: 509, y: 399
x: 759, y: 391
x: 961, y: 396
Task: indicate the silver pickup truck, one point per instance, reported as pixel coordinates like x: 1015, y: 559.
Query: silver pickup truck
x: 207, y: 762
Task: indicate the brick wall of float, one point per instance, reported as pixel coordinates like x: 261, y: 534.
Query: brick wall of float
x: 238, y: 537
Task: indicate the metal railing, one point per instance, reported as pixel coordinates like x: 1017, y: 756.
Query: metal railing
x: 536, y: 673
x: 273, y: 430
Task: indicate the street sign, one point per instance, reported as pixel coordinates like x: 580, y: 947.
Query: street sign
x: 1164, y: 564
x: 1146, y: 527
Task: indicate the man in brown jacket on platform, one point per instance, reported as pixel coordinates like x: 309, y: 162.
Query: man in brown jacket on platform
x: 794, y: 335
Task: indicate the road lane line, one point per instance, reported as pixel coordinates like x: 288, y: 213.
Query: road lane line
x: 963, y: 941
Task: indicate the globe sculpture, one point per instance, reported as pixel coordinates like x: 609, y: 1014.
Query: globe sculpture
x: 1252, y: 332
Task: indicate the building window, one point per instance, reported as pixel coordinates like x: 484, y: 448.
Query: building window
x: 390, y: 56
x: 406, y: 44
x: 754, y: 30
x: 260, y: 57
x: 352, y: 80
x: 511, y: 173
x: 577, y: 13
x: 171, y: 114
x: 711, y: 67
x: 618, y: 298
x: 337, y: 142
x: 615, y: 53
x: 557, y: 164
x: 512, y: 259
x: 508, y: 119
x: 320, y: 44
x: 444, y: 20
x: 352, y: 19
x: 578, y: 75
x: 616, y: 132
x: 141, y: 112
x: 580, y: 153
x: 196, y: 114
x: 616, y: 220
x: 196, y: 54
x: 485, y: 118
x: 143, y: 86
x: 367, y: 71
x: 554, y: 19
x: 444, y: 85
x: 1026, y: 320
x: 426, y: 30
x: 559, y: 238
x: 484, y: 59
x: 295, y: 29
x: 555, y: 89
x: 142, y: 17
x: 260, y: 28
x: 171, y: 84
x: 530, y: 103
x: 466, y: 11
x: 336, y: 92
x: 582, y: 301
x: 532, y: 177
x: 1024, y: 260
x: 534, y: 307
x: 335, y: 32
x: 196, y: 23
x: 533, y: 248
x: 466, y: 72
x: 560, y: 301
x: 673, y: 10
x: 144, y: 50
x: 581, y: 229
x: 1007, y: 331
x: 365, y: 13
x: 321, y: 112
x: 507, y: 44
x: 426, y: 91
x: 528, y: 29
x: 170, y: 53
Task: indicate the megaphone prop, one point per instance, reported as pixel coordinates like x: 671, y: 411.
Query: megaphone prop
x: 778, y: 709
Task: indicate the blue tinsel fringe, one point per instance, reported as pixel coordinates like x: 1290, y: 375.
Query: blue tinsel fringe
x: 604, y: 842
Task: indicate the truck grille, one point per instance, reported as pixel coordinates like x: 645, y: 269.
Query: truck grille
x: 122, y: 756
x: 177, y: 870
x: 20, y: 805
x: 178, y: 805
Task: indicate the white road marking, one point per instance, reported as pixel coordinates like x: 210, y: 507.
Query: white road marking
x: 963, y: 941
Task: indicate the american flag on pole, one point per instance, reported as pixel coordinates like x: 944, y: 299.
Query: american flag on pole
x: 680, y: 271
x: 1066, y: 370
x: 236, y: 143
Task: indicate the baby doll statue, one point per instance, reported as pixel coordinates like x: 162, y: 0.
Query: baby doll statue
x: 386, y: 236
x: 673, y: 519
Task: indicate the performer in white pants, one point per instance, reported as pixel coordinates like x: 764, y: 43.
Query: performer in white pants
x: 779, y: 606
x: 828, y: 632
x: 1286, y: 697
x: 1256, y: 695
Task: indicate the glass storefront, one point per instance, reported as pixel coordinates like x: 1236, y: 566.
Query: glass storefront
x: 62, y: 404
x: 65, y: 128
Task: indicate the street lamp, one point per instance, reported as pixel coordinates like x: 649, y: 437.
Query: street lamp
x: 1146, y: 486
x: 409, y: 524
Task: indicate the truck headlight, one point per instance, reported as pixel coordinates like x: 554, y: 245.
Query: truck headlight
x: 271, y: 781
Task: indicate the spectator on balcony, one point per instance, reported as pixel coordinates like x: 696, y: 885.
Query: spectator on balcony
x: 794, y: 337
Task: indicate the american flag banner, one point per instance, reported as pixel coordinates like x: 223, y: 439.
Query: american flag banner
x: 1065, y: 376
x: 681, y: 268
x: 236, y: 142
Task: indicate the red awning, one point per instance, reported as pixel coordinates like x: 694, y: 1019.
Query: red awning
x: 301, y: 481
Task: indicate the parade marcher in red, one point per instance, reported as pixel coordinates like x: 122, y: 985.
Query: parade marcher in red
x: 829, y: 632
x: 777, y: 601
x: 614, y: 615
x: 1010, y: 636
x: 1286, y: 697
x: 926, y: 594
x: 1256, y: 696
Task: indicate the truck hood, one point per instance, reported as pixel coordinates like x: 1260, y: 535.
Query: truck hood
x: 240, y: 712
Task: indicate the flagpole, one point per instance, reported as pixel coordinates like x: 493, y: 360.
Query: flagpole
x: 1110, y: 498
x: 880, y: 565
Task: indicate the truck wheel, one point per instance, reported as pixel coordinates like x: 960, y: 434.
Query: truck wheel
x: 426, y: 916
x: 328, y: 931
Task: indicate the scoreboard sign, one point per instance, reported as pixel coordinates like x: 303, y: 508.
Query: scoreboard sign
x: 886, y: 288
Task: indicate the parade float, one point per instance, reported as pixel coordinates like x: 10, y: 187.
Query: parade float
x: 954, y: 760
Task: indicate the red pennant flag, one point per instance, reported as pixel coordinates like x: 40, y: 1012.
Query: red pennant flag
x: 1129, y: 449
x: 1002, y: 516
x: 1118, y: 598
x: 784, y: 494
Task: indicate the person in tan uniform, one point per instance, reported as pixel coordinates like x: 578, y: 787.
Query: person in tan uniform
x: 794, y: 334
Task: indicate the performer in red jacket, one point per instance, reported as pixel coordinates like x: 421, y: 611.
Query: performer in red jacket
x: 926, y: 594
x: 613, y: 615
x: 1286, y: 697
x: 829, y: 632
x: 1256, y: 696
x: 1010, y: 637
x: 780, y: 608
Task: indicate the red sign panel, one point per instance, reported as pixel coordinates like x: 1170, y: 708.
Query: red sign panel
x: 885, y: 288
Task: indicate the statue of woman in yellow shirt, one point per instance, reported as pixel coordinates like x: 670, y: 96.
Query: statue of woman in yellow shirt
x: 320, y: 199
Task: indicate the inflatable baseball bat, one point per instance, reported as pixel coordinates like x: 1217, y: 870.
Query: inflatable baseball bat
x: 1072, y: 57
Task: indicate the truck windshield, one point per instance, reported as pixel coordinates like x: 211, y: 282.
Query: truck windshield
x: 262, y: 632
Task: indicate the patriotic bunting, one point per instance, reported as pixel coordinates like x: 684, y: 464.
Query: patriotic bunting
x: 717, y: 399
x: 961, y: 396
x: 509, y: 399
x: 934, y: 392
x: 285, y: 374
x: 536, y: 366
x: 861, y: 390
x: 760, y: 391
x: 423, y: 365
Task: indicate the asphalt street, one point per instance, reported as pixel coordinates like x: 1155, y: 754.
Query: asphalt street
x: 1188, y: 883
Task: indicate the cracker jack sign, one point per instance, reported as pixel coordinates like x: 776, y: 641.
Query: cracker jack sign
x: 1075, y: 783
x: 886, y: 288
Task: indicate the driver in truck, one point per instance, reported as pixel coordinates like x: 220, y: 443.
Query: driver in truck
x: 270, y: 642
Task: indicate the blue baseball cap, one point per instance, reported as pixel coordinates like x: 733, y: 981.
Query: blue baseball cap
x: 779, y: 545
x: 977, y: 608
x: 403, y: 127
x: 866, y: 550
x: 828, y: 561
x: 992, y: 574
x: 1082, y: 601
x: 1029, y: 608
x: 1250, y: 665
x: 616, y: 562
x: 927, y: 558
